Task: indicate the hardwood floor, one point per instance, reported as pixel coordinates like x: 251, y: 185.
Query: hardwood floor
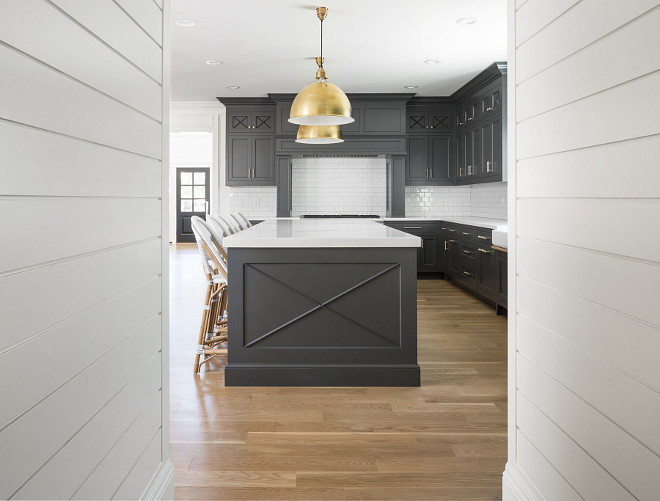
x: 444, y: 440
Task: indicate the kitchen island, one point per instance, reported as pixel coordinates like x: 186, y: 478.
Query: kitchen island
x: 322, y: 303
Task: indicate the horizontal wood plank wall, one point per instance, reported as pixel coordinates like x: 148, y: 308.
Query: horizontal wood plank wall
x: 587, y: 249
x: 81, y: 127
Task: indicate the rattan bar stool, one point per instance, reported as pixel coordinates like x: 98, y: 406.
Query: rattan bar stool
x: 233, y: 225
x: 211, y: 334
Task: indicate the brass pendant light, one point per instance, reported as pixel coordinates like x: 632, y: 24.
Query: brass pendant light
x: 320, y: 102
x: 319, y: 134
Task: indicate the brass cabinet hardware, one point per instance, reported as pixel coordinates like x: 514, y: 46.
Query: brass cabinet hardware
x: 467, y: 273
x: 466, y: 234
x: 446, y: 244
x: 483, y: 251
x: 431, y: 172
x: 468, y: 252
x: 412, y: 227
x: 483, y: 237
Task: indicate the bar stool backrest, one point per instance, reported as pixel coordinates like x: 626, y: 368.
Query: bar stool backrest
x: 208, y: 247
x: 239, y: 222
x: 217, y: 235
x: 231, y: 224
x: 245, y: 220
x: 226, y: 231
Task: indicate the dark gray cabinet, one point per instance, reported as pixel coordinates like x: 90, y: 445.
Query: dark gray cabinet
x: 501, y: 270
x: 429, y: 160
x: 251, y: 120
x: 250, y: 160
x: 427, y: 255
x: 434, y: 121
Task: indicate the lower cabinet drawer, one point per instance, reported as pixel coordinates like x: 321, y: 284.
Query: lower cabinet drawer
x: 469, y: 274
x: 414, y: 227
x: 468, y: 251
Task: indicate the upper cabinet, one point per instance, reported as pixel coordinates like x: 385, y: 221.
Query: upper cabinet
x: 250, y: 140
x: 422, y: 120
x: 480, y: 121
x: 252, y: 120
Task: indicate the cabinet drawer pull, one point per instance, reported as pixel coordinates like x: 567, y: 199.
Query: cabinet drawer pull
x: 482, y: 237
x: 466, y: 234
x: 488, y: 109
x: 452, y: 241
x: 467, y: 273
x: 412, y: 227
x: 468, y: 252
x: 483, y: 251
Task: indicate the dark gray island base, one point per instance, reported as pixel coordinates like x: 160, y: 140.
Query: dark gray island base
x: 318, y: 316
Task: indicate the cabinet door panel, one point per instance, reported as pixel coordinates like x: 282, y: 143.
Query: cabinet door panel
x: 461, y: 143
x: 439, y: 122
x: 418, y: 161
x: 383, y: 120
x: 238, y: 149
x: 264, y: 157
x: 262, y: 121
x: 491, y: 148
x: 487, y: 272
x: 238, y: 121
x: 428, y: 256
x: 440, y: 149
x: 416, y: 121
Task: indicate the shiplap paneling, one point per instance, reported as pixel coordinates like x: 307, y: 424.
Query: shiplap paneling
x: 623, y: 457
x: 590, y: 275
x: 131, y: 487
x: 586, y: 257
x: 585, y: 23
x: 535, y: 14
x: 580, y: 470
x: 97, y: 65
x: 147, y: 15
x: 588, y: 172
x: 46, y: 229
x: 601, y: 224
x: 544, y: 476
x: 46, y: 163
x: 66, y: 285
x: 82, y: 283
x: 76, y: 461
x: 636, y: 408
x: 591, y: 70
x: 40, y: 96
x: 619, y: 340
x: 605, y: 117
x: 79, y: 349
x: 40, y: 433
x: 107, y: 21
x: 159, y: 3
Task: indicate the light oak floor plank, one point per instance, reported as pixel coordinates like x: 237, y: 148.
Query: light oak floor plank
x: 445, y: 440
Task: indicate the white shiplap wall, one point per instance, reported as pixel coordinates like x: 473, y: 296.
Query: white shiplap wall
x: 585, y: 263
x: 83, y: 108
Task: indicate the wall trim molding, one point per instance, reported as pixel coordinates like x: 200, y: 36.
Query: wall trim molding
x: 161, y: 485
x: 517, y: 487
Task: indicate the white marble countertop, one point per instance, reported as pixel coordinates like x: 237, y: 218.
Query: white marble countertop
x: 321, y: 233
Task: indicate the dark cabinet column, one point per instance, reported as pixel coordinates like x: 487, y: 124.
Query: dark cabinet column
x: 397, y: 180
x: 418, y: 158
x: 283, y: 166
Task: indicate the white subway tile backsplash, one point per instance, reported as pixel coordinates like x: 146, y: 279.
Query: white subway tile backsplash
x: 478, y: 200
x: 254, y: 202
x: 339, y: 185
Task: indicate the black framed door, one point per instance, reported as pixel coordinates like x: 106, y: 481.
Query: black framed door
x: 192, y: 199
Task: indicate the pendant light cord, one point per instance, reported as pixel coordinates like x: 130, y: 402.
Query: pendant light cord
x: 321, y: 43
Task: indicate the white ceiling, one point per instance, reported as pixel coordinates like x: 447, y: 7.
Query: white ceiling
x: 369, y: 46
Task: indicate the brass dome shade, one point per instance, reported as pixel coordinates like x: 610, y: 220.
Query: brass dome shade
x: 319, y: 134
x: 320, y: 102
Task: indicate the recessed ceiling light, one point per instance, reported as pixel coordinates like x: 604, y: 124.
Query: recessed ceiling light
x: 186, y: 23
x: 466, y: 20
x: 214, y: 62
x: 233, y: 87
x: 431, y: 61
x: 410, y: 86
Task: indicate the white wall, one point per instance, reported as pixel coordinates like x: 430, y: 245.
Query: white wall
x: 83, y: 267
x: 585, y: 261
x: 339, y: 185
x: 195, y: 117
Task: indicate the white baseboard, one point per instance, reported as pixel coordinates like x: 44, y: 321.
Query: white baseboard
x: 517, y: 487
x: 161, y: 485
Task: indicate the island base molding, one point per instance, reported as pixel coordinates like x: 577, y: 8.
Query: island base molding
x: 254, y: 375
